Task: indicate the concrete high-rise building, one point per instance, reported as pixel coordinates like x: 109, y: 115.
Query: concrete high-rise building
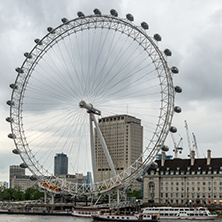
x: 60, y: 164
x: 15, y: 170
x: 23, y: 182
x: 124, y: 138
x: 77, y: 178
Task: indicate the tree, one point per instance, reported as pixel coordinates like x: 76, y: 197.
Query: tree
x: 2, y: 188
x: 135, y: 193
x: 37, y: 195
x: 32, y: 193
x: 28, y: 193
x: 9, y: 194
x: 19, y: 195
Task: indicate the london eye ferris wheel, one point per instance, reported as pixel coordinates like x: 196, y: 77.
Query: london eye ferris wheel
x: 87, y: 68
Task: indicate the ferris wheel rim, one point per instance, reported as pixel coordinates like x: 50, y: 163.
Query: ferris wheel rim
x: 94, y: 19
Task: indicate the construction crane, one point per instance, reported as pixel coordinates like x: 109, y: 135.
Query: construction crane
x: 177, y: 147
x: 195, y: 144
x: 188, y: 137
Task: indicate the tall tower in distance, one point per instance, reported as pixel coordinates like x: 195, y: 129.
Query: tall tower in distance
x: 60, y: 164
x: 124, y: 139
x: 15, y: 170
x: 89, y: 180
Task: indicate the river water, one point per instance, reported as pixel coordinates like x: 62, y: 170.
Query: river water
x: 34, y: 218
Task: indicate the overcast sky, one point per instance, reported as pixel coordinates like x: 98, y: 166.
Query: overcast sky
x: 192, y: 29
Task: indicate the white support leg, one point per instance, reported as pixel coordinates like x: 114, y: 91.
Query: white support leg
x: 52, y: 200
x: 45, y: 196
x: 93, y: 158
x: 105, y: 149
x: 117, y: 196
x: 92, y: 111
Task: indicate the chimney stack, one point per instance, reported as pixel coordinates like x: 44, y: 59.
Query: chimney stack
x: 192, y: 157
x: 163, y: 158
x: 208, y: 157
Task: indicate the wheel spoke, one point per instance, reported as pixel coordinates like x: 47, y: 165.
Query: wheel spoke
x: 106, y: 61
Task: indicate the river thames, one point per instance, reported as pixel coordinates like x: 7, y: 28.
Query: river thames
x: 34, y: 218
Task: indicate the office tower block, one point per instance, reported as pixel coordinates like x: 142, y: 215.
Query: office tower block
x: 124, y: 138
x: 89, y: 180
x: 15, y: 170
x: 60, y: 164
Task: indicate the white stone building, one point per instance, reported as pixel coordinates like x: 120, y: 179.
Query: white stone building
x: 179, y: 181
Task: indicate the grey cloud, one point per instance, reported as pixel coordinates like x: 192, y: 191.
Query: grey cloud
x: 201, y: 70
x: 193, y: 38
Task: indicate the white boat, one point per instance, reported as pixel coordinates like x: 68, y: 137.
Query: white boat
x: 186, y: 213
x: 84, y: 212
x: 124, y: 218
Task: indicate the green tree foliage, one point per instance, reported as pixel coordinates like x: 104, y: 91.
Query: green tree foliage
x: 135, y: 193
x: 19, y: 195
x: 16, y: 194
x: 6, y: 195
x: 2, y: 188
x: 9, y: 194
x: 33, y: 194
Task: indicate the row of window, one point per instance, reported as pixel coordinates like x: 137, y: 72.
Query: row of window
x: 184, y: 178
x: 108, y: 169
x: 192, y: 183
x: 189, y: 168
x: 191, y: 188
x: 192, y: 195
x: 152, y: 172
x: 188, y: 171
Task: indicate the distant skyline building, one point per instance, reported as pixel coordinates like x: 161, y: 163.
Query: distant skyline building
x: 89, y: 180
x: 77, y: 178
x: 4, y: 184
x: 23, y: 182
x: 124, y: 138
x: 15, y: 170
x: 60, y: 164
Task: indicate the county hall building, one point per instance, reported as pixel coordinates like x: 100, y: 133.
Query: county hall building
x: 182, y: 181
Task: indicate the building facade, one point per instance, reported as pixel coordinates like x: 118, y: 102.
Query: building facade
x: 123, y: 135
x: 23, y: 182
x: 15, y: 170
x: 183, y: 181
x: 60, y: 164
x: 3, y: 184
x: 77, y: 178
x: 89, y: 180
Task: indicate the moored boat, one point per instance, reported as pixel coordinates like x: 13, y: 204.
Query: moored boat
x: 84, y: 212
x: 186, y: 213
x: 124, y: 218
